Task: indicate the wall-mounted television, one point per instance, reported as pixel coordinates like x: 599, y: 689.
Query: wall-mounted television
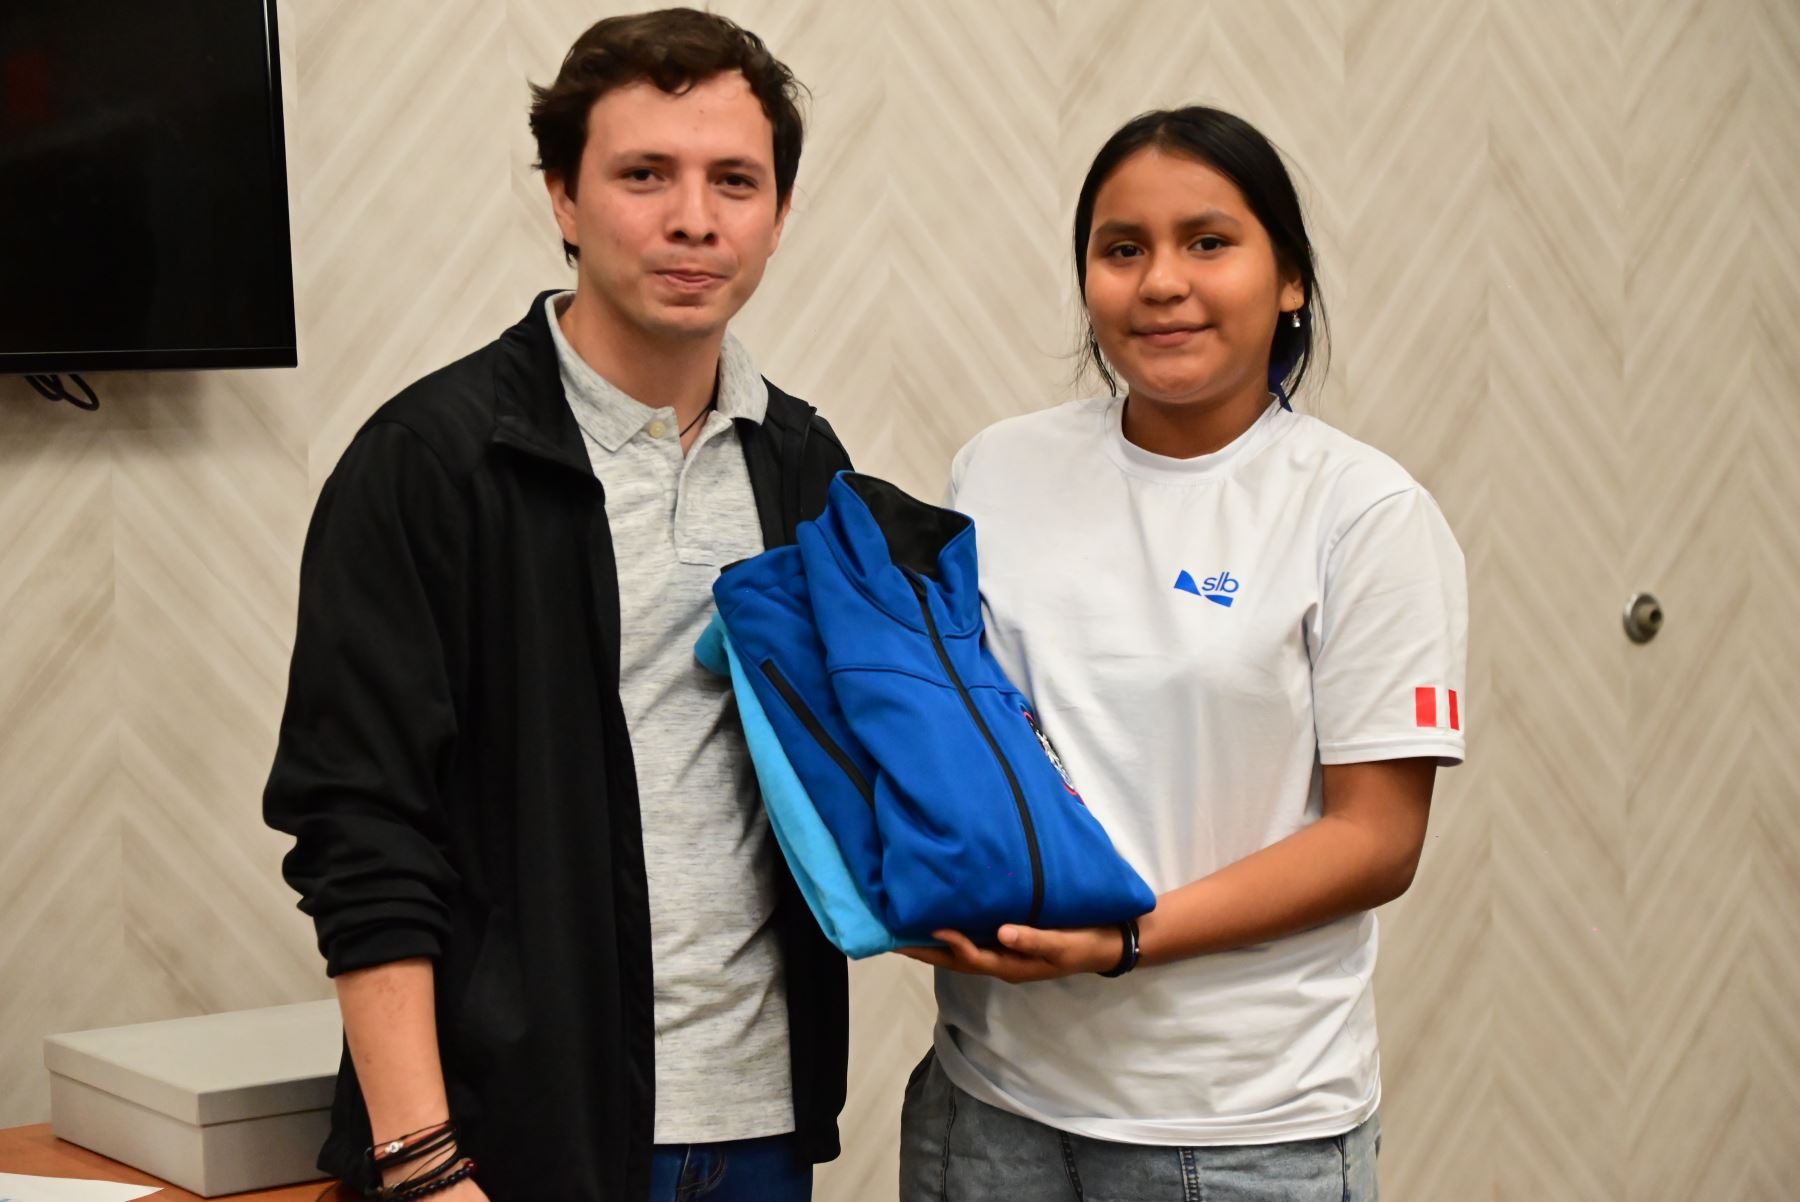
x: 143, y: 187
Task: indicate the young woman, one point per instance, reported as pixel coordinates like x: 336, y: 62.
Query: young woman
x: 1244, y: 633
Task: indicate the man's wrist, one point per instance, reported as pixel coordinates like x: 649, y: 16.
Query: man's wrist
x: 416, y: 1153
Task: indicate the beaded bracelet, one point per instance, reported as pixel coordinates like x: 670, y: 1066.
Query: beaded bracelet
x: 462, y: 1173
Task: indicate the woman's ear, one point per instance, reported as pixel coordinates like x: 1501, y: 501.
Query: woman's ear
x: 1293, y: 294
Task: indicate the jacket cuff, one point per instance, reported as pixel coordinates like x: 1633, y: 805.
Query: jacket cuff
x: 371, y: 947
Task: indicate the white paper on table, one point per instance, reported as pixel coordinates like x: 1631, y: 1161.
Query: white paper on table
x: 17, y: 1188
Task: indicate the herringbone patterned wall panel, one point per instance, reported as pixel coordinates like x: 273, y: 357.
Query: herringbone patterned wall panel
x: 1560, y: 249
x: 1770, y: 1038
x: 1688, y: 363
x: 1555, y: 747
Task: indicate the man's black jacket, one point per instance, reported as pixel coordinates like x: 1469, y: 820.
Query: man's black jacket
x: 455, y: 769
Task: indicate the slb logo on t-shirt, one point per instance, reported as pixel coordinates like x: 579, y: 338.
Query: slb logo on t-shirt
x: 1220, y: 590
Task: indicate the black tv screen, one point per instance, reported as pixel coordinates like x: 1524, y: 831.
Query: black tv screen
x: 143, y: 187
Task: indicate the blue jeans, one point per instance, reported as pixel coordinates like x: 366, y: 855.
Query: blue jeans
x: 745, y: 1170
x: 956, y: 1149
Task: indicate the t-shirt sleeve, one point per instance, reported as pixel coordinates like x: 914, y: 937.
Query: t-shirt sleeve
x: 959, y: 468
x: 1389, y: 637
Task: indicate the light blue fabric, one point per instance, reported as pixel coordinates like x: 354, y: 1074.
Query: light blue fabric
x: 812, y: 854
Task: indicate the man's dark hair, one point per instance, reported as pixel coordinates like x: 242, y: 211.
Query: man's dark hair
x: 673, y: 48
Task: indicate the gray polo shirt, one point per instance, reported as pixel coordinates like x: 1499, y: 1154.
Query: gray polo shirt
x: 722, y: 1069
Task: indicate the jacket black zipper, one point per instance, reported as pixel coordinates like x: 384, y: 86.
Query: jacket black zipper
x: 816, y: 729
x: 1031, y: 843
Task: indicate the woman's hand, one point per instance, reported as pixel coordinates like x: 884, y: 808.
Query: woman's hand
x: 1027, y: 953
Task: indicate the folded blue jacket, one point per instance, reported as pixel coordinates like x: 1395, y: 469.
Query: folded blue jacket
x: 763, y: 603
x: 920, y: 757
x: 805, y: 841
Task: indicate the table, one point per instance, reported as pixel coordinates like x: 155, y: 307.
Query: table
x: 35, y: 1152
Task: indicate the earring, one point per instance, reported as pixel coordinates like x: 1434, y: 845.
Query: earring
x: 1294, y: 317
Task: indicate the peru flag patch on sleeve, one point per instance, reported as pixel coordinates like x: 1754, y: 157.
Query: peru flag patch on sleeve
x: 1436, y: 709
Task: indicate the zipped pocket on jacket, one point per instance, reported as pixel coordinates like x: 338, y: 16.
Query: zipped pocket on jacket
x: 816, y: 729
x: 1012, y: 780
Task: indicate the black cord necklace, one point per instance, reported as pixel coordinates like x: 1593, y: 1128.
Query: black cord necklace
x: 697, y: 417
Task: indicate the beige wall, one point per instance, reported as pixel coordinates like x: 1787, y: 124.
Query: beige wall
x: 1560, y: 250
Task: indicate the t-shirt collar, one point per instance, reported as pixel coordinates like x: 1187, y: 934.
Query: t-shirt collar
x: 1135, y: 460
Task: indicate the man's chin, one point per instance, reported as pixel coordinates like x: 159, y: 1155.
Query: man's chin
x: 687, y: 321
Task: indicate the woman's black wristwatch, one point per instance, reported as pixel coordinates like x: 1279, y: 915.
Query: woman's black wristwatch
x: 1129, y: 957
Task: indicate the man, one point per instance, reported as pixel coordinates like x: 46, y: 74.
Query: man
x: 526, y: 825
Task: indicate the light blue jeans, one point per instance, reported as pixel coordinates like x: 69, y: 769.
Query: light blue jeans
x: 956, y: 1149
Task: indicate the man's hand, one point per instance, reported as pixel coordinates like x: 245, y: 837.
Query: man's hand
x: 1027, y: 953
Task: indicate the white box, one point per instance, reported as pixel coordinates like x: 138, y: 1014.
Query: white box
x: 216, y: 1104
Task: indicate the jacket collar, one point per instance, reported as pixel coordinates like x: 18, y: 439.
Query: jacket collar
x: 531, y: 414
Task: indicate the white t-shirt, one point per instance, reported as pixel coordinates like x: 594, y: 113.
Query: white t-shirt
x: 1198, y: 636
